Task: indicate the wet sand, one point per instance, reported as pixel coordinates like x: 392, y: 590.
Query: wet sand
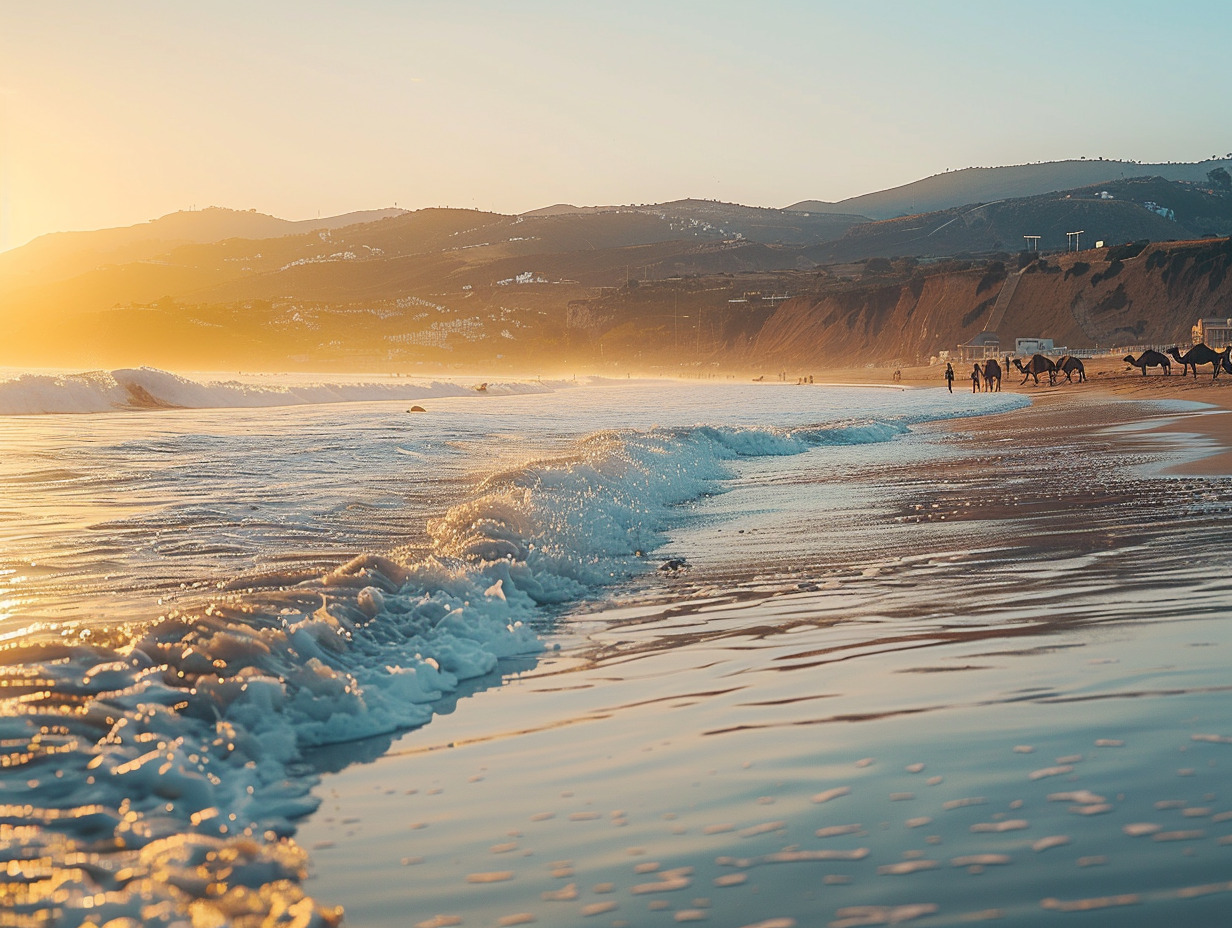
x: 1109, y: 378
x: 984, y: 677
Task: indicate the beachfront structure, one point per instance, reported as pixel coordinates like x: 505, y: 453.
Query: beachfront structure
x: 1213, y: 331
x: 985, y: 345
x: 1026, y: 346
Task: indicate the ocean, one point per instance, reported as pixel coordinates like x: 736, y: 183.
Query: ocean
x: 620, y: 652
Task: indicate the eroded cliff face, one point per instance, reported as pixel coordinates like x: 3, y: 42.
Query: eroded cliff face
x: 1099, y: 298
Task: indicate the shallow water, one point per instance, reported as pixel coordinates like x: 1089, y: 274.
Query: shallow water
x: 199, y: 603
x: 904, y: 676
x: 938, y: 682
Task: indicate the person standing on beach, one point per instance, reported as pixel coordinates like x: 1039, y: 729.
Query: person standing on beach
x: 949, y: 376
x: 975, y: 378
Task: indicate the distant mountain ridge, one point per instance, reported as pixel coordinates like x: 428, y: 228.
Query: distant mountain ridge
x: 392, y: 287
x: 982, y: 185
x: 1117, y: 211
x: 755, y: 223
x: 63, y: 254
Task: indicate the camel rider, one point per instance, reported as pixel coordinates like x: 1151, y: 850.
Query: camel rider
x: 949, y: 376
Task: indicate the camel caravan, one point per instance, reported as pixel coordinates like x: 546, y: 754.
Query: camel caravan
x: 1042, y: 364
x: 1037, y: 364
x: 991, y: 372
x: 1200, y: 353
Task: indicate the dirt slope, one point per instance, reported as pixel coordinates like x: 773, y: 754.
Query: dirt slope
x: 1085, y: 300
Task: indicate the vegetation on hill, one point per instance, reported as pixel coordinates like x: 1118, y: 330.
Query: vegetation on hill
x: 983, y: 185
x: 1129, y: 210
x: 67, y: 254
x: 675, y: 286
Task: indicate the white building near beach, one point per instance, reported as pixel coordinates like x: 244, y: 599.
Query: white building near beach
x: 1214, y: 331
x: 1033, y: 346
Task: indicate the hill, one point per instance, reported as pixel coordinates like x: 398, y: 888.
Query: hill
x: 65, y: 254
x: 1115, y: 212
x: 690, y: 282
x: 983, y: 185
x: 901, y: 313
x: 729, y: 220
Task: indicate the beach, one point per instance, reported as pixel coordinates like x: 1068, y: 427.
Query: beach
x: 991, y: 689
x: 615, y: 466
x: 936, y: 669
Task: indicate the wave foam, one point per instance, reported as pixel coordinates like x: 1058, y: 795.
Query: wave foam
x: 179, y: 748
x: 150, y: 388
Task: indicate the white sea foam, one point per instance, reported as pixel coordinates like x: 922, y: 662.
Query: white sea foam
x: 149, y: 388
x: 185, y: 738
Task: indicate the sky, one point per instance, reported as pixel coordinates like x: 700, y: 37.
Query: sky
x: 115, y: 113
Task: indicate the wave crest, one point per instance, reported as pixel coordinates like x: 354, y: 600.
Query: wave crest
x: 182, y: 745
x: 150, y: 388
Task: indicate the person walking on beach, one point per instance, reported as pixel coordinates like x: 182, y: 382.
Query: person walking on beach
x: 975, y: 378
x: 949, y: 376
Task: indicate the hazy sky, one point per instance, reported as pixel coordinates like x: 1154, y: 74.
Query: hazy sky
x: 114, y: 113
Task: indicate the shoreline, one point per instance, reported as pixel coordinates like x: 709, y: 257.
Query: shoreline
x: 1108, y: 380
x: 1107, y: 377
x: 689, y: 759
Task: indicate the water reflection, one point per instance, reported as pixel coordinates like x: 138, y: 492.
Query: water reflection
x: 966, y: 698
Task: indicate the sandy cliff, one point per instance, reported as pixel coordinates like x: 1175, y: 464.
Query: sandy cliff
x: 1097, y: 298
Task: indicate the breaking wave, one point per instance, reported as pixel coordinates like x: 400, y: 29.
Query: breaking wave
x: 149, y: 388
x: 169, y: 758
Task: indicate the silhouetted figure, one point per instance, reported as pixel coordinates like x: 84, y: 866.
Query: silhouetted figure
x: 992, y: 375
x: 1149, y: 358
x: 949, y: 376
x: 1039, y: 364
x: 1069, y: 365
x: 975, y: 378
x: 1200, y: 353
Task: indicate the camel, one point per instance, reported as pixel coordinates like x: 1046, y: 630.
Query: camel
x: 1200, y: 353
x: 1150, y: 358
x: 992, y: 375
x: 1036, y: 366
x: 1071, y: 365
x: 1225, y: 359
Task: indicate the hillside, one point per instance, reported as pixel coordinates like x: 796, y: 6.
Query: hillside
x: 729, y: 220
x: 1117, y: 212
x: 983, y: 185
x: 736, y: 307
x: 563, y: 286
x: 902, y: 313
x: 67, y: 254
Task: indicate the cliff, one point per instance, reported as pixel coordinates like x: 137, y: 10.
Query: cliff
x: 1101, y: 298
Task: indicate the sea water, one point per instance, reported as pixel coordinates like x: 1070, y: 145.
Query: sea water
x: 206, y: 596
x: 944, y: 679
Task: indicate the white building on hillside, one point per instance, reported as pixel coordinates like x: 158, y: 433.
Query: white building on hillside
x: 1033, y: 346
